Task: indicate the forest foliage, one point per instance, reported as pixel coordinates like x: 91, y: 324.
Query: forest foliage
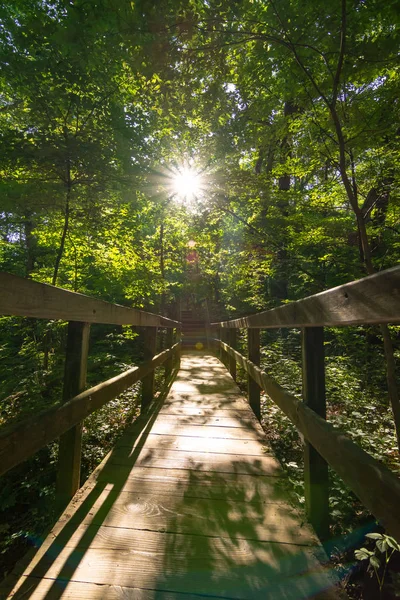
x: 288, y: 110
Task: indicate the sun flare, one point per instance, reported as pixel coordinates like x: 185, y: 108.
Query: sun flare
x: 186, y: 184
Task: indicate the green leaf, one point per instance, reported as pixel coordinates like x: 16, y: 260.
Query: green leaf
x: 382, y: 545
x: 392, y: 543
x: 362, y: 554
x: 374, y: 536
x: 374, y: 562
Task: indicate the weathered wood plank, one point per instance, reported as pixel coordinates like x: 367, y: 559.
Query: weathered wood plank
x: 187, y: 412
x: 204, y: 397
x: 373, y: 299
x: 201, y: 461
x: 243, y: 426
x: 54, y: 589
x: 26, y: 298
x: 376, y: 486
x: 195, y: 418
x: 205, y: 431
x: 235, y: 567
x: 194, y: 444
x: 194, y: 483
x: 186, y: 515
x: 19, y: 441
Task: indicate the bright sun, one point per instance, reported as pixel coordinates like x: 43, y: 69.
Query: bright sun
x: 186, y: 184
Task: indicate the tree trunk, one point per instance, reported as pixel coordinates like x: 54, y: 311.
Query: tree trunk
x: 367, y: 258
x: 162, y: 266
x: 60, y: 251
x: 30, y: 243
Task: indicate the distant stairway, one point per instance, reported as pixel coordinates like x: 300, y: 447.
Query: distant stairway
x: 193, y: 329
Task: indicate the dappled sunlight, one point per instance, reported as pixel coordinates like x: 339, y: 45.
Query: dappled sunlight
x: 189, y: 501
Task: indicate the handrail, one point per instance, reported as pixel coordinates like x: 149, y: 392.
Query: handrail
x: 26, y: 298
x: 373, y: 299
x: 375, y: 485
x: 19, y: 441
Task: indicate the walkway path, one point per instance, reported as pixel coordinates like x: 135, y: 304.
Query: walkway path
x: 190, y: 503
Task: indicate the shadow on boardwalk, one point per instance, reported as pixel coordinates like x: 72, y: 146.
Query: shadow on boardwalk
x: 202, y: 513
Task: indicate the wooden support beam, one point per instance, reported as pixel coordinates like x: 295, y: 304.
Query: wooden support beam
x: 316, y: 478
x: 218, y: 348
x: 232, y: 341
x: 169, y: 363
x: 178, y: 343
x: 253, y: 342
x: 70, y: 448
x: 224, y: 354
x: 150, y: 345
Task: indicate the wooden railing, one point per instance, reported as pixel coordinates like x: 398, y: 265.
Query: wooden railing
x: 374, y: 299
x: 26, y: 298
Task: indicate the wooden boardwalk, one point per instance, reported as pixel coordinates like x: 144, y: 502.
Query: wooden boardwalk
x: 189, y: 504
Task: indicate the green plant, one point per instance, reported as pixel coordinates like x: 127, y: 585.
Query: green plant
x: 379, y: 557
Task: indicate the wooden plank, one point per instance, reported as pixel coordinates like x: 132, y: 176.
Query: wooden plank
x: 253, y: 389
x: 226, y: 418
x: 316, y: 478
x: 169, y: 411
x: 376, y: 486
x: 233, y: 424
x: 26, y: 298
x: 373, y: 299
x: 19, y: 441
x: 222, y: 402
x: 70, y: 445
x: 201, y: 461
x: 181, y: 563
x: 238, y: 487
x: 174, y: 514
x: 54, y: 589
x: 171, y: 427
x: 194, y: 444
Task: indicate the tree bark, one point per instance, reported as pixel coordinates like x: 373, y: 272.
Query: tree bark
x: 30, y: 243
x: 61, y: 247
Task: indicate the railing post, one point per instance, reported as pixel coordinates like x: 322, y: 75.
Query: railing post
x: 169, y: 363
x: 150, y: 345
x: 69, y: 456
x: 224, y: 355
x: 253, y: 342
x: 232, y: 341
x: 218, y: 335
x: 178, y: 338
x: 316, y: 478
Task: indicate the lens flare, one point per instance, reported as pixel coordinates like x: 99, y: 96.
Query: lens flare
x: 186, y: 184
